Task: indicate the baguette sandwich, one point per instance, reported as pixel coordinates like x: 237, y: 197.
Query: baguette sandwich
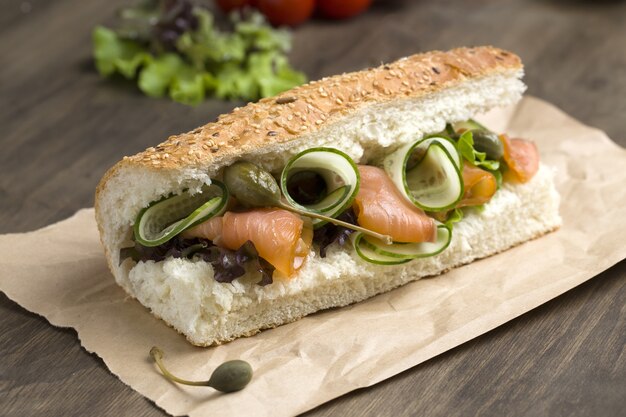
x: 325, y: 195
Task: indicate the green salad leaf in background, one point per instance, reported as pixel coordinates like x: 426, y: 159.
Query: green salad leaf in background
x: 174, y: 48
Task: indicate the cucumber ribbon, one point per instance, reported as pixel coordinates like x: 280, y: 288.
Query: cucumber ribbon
x: 428, y: 174
x: 375, y: 251
x: 339, y: 173
x: 164, y: 219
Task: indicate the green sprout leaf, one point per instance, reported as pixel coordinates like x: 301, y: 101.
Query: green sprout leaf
x: 465, y: 145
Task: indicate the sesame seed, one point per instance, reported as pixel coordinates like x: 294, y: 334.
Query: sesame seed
x: 405, y: 83
x: 272, y: 133
x: 339, y: 101
x: 319, y: 122
x: 286, y: 100
x: 290, y: 117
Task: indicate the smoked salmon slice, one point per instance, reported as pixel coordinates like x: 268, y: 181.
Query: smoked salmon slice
x: 210, y: 229
x: 380, y: 207
x: 479, y: 184
x: 279, y: 236
x: 521, y: 157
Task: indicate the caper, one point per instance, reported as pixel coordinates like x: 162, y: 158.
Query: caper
x: 488, y: 142
x: 231, y: 376
x: 251, y: 185
x: 228, y: 377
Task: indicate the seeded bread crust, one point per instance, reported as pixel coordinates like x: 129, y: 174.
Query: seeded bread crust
x: 307, y: 108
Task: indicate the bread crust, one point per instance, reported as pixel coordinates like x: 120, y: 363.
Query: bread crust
x: 310, y: 107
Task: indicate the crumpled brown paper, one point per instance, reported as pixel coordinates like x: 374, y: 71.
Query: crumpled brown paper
x: 303, y: 364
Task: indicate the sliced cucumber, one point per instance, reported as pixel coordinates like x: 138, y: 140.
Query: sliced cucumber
x: 470, y: 124
x: 331, y: 200
x: 435, y: 183
x: 338, y: 171
x: 164, y: 219
x: 375, y: 251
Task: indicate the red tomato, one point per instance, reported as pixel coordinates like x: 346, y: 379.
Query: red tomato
x: 342, y: 9
x: 286, y: 12
x: 228, y: 5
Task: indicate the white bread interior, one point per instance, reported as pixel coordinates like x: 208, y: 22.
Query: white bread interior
x: 184, y: 293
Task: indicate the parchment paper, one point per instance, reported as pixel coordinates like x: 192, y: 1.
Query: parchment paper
x: 303, y: 364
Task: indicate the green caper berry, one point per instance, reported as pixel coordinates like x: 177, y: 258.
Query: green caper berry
x: 488, y: 142
x: 231, y: 376
x: 251, y: 185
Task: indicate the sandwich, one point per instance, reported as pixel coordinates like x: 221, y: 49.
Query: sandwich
x: 325, y: 195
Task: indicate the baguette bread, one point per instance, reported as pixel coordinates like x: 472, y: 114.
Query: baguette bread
x: 365, y: 114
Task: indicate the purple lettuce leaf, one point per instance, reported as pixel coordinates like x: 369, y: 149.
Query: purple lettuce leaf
x: 330, y: 233
x: 227, y: 264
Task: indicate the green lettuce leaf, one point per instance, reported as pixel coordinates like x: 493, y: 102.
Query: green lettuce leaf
x: 188, y: 87
x: 454, y: 216
x: 156, y: 77
x: 114, y: 54
x: 208, y: 46
x: 273, y: 72
x: 246, y: 63
x: 260, y: 36
x: 232, y: 81
x: 465, y: 145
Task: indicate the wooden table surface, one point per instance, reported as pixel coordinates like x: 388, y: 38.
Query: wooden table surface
x: 62, y: 127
